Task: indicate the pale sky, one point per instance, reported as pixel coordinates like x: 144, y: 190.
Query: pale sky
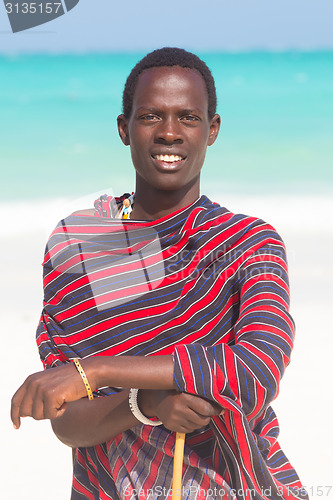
x: 236, y: 25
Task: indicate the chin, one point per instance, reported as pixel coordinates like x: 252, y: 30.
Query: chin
x: 166, y: 182
x: 170, y: 186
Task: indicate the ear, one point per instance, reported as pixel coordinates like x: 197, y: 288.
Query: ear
x: 122, y: 123
x: 215, y: 124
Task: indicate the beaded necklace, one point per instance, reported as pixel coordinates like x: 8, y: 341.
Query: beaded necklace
x: 126, y: 208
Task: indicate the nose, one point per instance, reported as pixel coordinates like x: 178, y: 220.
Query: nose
x: 169, y: 131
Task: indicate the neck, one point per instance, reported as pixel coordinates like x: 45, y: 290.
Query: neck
x: 151, y: 203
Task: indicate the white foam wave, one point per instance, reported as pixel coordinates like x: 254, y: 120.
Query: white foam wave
x: 302, y: 213
x: 285, y: 213
x: 42, y: 215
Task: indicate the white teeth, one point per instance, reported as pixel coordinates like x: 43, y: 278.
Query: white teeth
x: 169, y: 158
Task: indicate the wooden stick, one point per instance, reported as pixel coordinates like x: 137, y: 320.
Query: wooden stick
x: 178, y: 466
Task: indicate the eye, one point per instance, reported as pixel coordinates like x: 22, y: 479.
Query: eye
x: 149, y: 117
x: 190, y: 118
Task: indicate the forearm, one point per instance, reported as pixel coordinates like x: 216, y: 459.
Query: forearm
x: 88, y: 423
x: 141, y: 372
x: 46, y: 394
x: 60, y: 395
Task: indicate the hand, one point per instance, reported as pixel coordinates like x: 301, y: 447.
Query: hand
x: 46, y: 394
x: 179, y: 412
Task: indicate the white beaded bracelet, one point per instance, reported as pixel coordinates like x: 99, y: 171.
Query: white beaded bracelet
x: 133, y: 404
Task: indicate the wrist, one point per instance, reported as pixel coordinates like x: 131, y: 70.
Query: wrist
x: 93, y: 368
x: 83, y: 376
x: 145, y: 402
x: 136, y: 410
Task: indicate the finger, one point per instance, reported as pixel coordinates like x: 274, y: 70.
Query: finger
x: 61, y: 410
x: 26, y: 405
x: 177, y: 427
x: 53, y: 408
x: 14, y: 415
x: 28, y: 400
x: 16, y: 405
x: 31, y: 398
x: 38, y: 406
x: 193, y: 412
x: 188, y: 426
x: 203, y: 407
x: 196, y: 419
x: 188, y: 421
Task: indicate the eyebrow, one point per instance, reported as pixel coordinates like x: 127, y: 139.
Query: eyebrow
x: 154, y: 110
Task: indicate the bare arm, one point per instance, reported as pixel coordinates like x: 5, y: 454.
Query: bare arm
x: 57, y: 394
x: 88, y: 423
x: 141, y: 372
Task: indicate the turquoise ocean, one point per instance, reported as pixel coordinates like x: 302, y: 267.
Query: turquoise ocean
x: 59, y: 138
x: 273, y: 159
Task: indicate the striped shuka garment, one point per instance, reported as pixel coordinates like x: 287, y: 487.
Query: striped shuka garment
x: 209, y: 287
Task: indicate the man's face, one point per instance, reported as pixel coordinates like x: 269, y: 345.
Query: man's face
x: 169, y: 128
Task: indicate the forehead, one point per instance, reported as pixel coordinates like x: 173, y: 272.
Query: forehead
x: 171, y: 86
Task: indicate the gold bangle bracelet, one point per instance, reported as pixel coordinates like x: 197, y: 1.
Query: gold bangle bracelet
x: 84, y: 378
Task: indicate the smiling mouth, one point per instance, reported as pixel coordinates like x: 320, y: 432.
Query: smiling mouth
x: 169, y: 161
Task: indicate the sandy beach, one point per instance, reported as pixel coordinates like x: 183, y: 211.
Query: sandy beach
x: 36, y: 466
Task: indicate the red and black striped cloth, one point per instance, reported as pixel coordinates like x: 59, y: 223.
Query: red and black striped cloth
x: 207, y: 285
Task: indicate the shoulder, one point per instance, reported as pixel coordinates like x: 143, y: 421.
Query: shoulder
x: 259, y: 227
x: 87, y: 211
x: 235, y: 223
x: 252, y: 232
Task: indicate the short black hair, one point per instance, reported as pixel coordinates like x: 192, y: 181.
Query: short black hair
x: 169, y: 56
